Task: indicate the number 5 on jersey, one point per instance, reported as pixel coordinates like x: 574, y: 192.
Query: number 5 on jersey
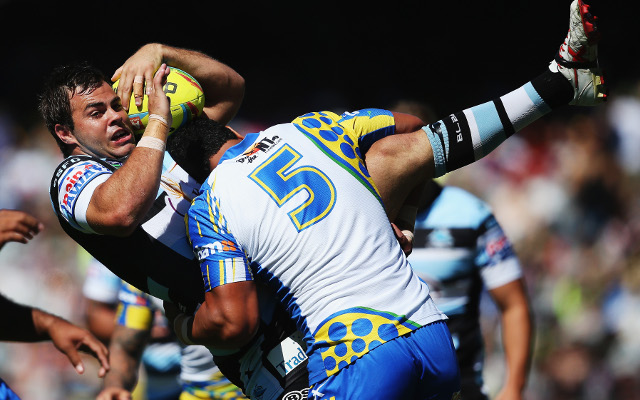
x: 281, y: 182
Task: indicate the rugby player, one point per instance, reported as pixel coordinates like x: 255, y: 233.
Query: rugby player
x: 294, y: 207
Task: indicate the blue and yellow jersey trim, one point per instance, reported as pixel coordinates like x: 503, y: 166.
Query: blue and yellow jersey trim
x: 346, y: 138
x: 134, y: 308
x: 221, y: 260
x: 349, y: 334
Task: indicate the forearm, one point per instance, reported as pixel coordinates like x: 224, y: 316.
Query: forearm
x: 228, y: 319
x: 121, y: 203
x: 126, y: 350
x: 517, y: 335
x: 213, y: 329
x: 398, y: 165
x: 223, y: 87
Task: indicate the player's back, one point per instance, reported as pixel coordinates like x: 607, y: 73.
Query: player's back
x: 299, y: 202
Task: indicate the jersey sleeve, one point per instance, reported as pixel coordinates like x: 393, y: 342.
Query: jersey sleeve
x: 77, y: 184
x: 369, y: 125
x: 495, y: 257
x: 222, y: 259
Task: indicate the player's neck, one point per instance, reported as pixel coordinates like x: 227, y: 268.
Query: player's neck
x: 215, y: 159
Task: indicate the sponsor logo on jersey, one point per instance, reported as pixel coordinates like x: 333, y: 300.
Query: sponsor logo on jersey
x: 136, y: 121
x: 216, y: 247
x: 297, y: 395
x: 263, y: 146
x: 440, y: 237
x: 77, y: 179
x: 458, y: 132
x: 288, y: 355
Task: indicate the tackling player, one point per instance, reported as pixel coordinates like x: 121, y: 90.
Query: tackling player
x: 275, y: 209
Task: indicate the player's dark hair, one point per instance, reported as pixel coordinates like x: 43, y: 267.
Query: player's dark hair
x: 55, y: 99
x: 193, y: 144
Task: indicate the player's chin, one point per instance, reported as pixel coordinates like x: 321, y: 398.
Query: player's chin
x: 123, y: 148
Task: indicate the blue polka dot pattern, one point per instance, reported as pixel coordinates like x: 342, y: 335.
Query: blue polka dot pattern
x: 358, y: 345
x: 347, y: 151
x: 387, y: 332
x: 340, y: 349
x: 337, y: 141
x: 345, y: 337
x: 337, y: 331
x: 361, y: 327
x: 330, y: 363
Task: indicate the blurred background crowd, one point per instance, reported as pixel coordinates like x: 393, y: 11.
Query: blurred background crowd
x: 565, y: 189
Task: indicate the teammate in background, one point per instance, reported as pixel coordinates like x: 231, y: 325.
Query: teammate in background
x: 294, y: 207
x: 100, y: 290
x: 459, y: 249
x: 115, y: 198
x: 21, y: 323
x: 160, y: 360
x: 173, y: 371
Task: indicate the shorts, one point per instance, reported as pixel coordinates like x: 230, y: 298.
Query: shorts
x: 421, y: 364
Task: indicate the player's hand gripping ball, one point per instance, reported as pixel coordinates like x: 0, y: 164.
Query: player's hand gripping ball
x: 185, y: 96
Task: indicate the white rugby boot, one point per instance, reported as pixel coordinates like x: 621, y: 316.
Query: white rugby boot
x: 577, y: 59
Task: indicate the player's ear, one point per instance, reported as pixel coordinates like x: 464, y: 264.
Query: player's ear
x: 238, y: 136
x: 64, y: 134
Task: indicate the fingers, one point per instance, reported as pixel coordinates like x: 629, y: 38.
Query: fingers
x: 158, y: 100
x: 97, y: 349
x: 138, y: 89
x: 18, y: 226
x: 405, y: 239
x: 74, y: 357
x: 124, y: 90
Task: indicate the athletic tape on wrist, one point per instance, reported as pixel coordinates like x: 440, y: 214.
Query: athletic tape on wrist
x: 181, y: 328
x: 159, y: 118
x: 151, y: 143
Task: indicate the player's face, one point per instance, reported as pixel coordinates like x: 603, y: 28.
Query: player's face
x: 101, y: 125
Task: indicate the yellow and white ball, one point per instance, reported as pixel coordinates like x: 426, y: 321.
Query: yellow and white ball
x: 186, y: 97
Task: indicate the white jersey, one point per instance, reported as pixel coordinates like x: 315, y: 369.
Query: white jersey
x: 158, y: 260
x: 294, y: 206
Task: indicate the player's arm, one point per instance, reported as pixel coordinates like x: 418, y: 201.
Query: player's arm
x: 133, y: 325
x: 26, y: 324
x: 517, y: 336
x: 119, y: 204
x: 127, y: 345
x: 229, y: 317
x: 101, y: 319
x: 222, y: 86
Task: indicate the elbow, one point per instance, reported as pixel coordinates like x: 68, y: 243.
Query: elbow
x: 228, y: 335
x: 121, y: 224
x: 217, y: 329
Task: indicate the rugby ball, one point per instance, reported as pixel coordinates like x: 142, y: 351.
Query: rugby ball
x: 185, y: 95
